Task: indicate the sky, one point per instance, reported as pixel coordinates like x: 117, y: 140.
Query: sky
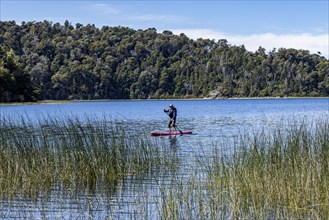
x: 299, y: 24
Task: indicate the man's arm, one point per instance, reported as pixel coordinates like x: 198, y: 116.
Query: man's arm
x: 174, y: 113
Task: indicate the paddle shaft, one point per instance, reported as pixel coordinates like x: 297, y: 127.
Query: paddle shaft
x: 179, y: 129
x: 175, y: 125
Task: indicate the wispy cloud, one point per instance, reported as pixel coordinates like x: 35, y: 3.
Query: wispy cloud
x: 105, y: 9
x: 129, y: 14
x: 306, y: 41
x: 160, y: 17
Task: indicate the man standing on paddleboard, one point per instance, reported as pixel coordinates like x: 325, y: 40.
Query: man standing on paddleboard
x: 172, y: 113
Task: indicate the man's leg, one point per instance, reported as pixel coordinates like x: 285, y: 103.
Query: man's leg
x: 174, y: 124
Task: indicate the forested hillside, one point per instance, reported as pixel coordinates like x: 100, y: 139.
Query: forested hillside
x: 44, y: 60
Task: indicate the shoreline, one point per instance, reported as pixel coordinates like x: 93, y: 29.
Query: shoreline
x: 54, y: 102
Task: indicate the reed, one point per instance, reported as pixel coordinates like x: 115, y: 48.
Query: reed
x: 71, y: 152
x: 280, y: 174
x: 274, y: 174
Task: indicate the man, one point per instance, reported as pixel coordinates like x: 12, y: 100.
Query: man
x: 172, y: 113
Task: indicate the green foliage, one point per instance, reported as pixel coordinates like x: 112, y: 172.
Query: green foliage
x: 15, y: 85
x: 48, y: 60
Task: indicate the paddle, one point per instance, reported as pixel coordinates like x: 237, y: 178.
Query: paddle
x: 166, y: 111
x: 179, y: 130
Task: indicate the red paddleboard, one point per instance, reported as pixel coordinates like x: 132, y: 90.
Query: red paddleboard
x: 164, y: 133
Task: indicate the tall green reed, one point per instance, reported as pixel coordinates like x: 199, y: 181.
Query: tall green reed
x: 282, y: 174
x: 75, y: 152
x: 274, y: 174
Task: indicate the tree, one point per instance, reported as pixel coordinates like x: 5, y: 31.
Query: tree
x: 84, y: 62
x: 15, y: 84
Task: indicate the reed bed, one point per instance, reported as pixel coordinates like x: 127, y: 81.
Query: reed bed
x: 275, y: 174
x: 72, y: 153
x: 282, y: 174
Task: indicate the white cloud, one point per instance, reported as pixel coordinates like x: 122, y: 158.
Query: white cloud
x: 157, y: 17
x: 105, y: 9
x: 313, y: 43
x: 126, y: 14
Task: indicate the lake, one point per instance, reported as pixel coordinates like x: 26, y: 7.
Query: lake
x: 210, y: 120
x: 215, y: 123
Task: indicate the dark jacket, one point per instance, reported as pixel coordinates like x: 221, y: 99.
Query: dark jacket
x: 172, y: 112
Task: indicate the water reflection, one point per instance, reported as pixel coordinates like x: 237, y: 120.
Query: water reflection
x: 173, y: 142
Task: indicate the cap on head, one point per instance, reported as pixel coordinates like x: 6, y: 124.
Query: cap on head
x: 171, y: 105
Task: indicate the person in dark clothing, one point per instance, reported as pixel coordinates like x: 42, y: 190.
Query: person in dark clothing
x: 172, y: 113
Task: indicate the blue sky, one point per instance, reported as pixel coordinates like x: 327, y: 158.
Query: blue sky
x: 299, y: 24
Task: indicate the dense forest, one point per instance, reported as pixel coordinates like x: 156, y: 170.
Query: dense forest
x: 45, y: 60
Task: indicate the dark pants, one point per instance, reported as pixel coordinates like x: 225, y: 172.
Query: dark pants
x: 172, y: 123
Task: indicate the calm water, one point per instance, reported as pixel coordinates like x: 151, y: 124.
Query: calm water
x: 213, y: 122
x: 210, y: 120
